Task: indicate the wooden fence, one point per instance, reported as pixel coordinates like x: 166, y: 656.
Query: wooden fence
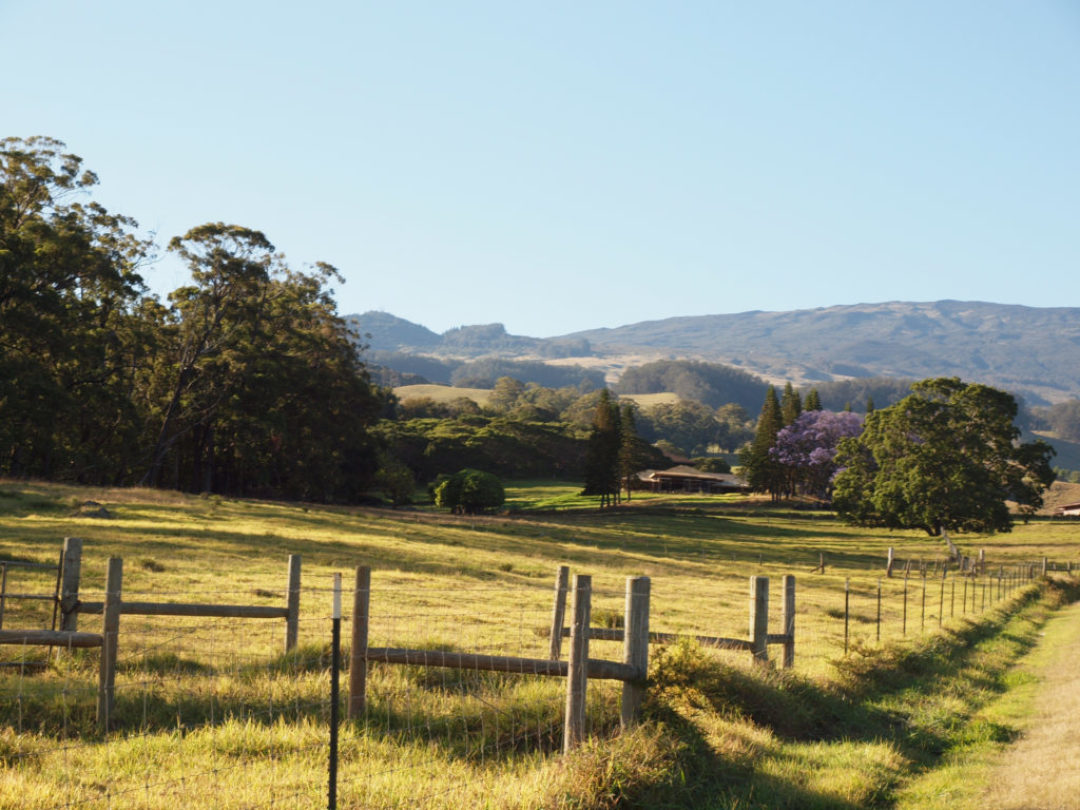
x: 8, y: 565
x: 114, y: 606
x: 757, y: 644
x: 579, y: 668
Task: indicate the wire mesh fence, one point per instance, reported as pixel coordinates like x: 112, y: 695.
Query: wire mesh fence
x: 215, y: 712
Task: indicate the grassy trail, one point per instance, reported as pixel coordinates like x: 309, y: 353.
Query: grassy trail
x: 1042, y: 769
x: 1020, y: 749
x: 1031, y: 761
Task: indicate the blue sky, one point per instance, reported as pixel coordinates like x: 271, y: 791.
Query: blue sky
x: 564, y: 166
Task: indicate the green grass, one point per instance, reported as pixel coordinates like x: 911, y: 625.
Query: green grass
x: 220, y: 697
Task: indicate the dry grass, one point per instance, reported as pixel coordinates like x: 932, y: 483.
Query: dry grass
x: 442, y: 393
x: 194, y: 690
x: 1060, y: 492
x: 649, y: 400
x: 1042, y: 769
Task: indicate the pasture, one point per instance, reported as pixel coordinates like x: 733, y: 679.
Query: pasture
x: 442, y: 393
x: 214, y: 713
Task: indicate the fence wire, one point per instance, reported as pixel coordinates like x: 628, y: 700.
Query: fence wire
x: 213, y: 712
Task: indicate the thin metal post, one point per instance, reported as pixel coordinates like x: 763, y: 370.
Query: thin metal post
x: 335, y: 670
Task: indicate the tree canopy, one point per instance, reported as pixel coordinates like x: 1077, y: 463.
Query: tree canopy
x: 806, y: 449
x: 469, y: 492
x: 762, y: 471
x: 711, y: 383
x: 944, y: 458
x: 247, y: 382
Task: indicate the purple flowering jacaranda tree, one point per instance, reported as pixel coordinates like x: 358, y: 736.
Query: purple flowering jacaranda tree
x: 807, y: 449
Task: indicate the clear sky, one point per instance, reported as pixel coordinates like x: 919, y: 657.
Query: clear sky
x: 562, y: 166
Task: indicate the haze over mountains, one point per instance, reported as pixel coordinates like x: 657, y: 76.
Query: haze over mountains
x: 1034, y: 352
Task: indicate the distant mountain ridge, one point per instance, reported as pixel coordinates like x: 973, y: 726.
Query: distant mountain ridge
x: 1027, y: 350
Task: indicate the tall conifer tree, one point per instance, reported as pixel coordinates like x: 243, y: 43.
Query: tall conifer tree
x: 762, y: 471
x: 602, y: 452
x: 790, y: 405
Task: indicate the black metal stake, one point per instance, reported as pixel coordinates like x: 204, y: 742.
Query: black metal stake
x: 335, y: 669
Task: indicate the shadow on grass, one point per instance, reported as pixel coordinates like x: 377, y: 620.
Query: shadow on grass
x: 885, y: 696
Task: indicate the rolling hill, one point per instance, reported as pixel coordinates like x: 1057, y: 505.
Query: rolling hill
x: 1034, y: 352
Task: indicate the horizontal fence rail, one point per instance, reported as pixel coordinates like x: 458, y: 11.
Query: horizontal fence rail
x: 839, y: 612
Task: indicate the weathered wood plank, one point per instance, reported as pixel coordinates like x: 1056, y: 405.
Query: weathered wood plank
x: 358, y: 653
x: 635, y: 648
x: 50, y: 638
x: 604, y: 670
x: 577, y: 671
x: 179, y: 609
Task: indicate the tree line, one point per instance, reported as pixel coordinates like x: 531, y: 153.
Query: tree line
x: 947, y: 457
x: 244, y: 382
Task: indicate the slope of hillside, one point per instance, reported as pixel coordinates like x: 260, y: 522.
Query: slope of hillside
x: 1030, y: 351
x: 1033, y: 351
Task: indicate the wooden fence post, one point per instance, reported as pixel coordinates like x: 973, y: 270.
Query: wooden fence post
x: 577, y: 674
x: 759, y: 619
x: 358, y: 652
x: 788, y: 618
x: 292, y: 604
x: 890, y: 562
x: 558, y: 613
x: 635, y: 647
x: 110, y: 632
x: 1044, y: 566
x: 70, y: 567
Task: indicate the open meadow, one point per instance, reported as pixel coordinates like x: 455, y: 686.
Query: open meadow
x: 216, y: 713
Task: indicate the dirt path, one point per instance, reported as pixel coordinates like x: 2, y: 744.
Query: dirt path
x: 1041, y: 770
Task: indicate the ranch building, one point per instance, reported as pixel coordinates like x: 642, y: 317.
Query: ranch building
x: 684, y: 478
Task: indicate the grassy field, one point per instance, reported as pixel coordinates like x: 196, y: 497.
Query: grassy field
x: 649, y: 400
x: 446, y: 393
x: 212, y: 713
x: 442, y: 393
